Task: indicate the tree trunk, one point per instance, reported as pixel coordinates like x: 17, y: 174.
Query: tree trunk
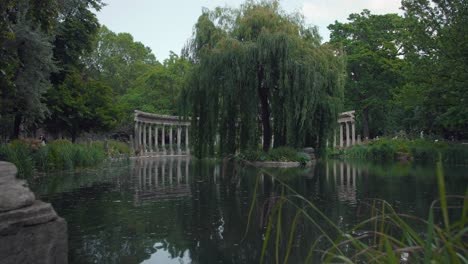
x: 365, y: 123
x: 265, y: 110
x: 16, y: 126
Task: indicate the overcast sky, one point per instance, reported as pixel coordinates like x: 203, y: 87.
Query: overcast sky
x: 167, y: 25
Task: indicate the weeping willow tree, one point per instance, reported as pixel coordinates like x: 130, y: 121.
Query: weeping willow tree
x: 260, y: 72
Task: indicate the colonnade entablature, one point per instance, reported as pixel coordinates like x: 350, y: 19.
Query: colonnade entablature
x: 345, y: 121
x: 154, y: 134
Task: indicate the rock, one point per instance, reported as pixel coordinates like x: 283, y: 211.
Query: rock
x: 309, y: 150
x: 36, y: 214
x: 38, y: 244
x: 14, y: 195
x: 30, y: 230
x: 7, y: 172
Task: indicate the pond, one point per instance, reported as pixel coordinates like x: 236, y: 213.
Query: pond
x: 181, y: 210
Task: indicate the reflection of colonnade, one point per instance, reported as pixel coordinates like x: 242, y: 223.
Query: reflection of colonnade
x: 345, y: 120
x: 344, y: 177
x: 160, y: 135
x: 161, y: 178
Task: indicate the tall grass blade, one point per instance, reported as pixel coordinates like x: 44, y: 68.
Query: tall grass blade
x: 252, y: 206
x: 291, y: 237
x: 429, y: 239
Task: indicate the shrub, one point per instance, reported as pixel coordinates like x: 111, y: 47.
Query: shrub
x: 57, y: 155
x: 277, y: 154
x: 419, y: 150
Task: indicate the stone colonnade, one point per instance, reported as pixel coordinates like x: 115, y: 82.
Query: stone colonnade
x: 345, y: 121
x: 160, y: 135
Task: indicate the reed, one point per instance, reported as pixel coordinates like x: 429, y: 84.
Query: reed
x: 386, y: 236
x: 59, y: 155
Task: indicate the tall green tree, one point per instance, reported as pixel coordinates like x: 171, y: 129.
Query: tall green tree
x: 259, y: 64
x: 374, y: 49
x: 25, y: 62
x: 158, y: 90
x: 79, y: 105
x: 435, y: 96
x: 74, y: 98
x: 118, y: 60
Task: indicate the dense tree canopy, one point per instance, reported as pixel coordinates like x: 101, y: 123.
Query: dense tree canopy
x: 157, y: 89
x: 247, y: 75
x: 118, y: 60
x: 25, y: 61
x: 260, y: 71
x: 373, y: 45
x: 435, y: 96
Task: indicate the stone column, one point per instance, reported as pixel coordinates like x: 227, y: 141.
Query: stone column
x: 156, y: 171
x: 144, y: 137
x: 179, y: 133
x: 135, y: 137
x: 156, y: 138
x: 163, y: 140
x: 359, y: 139
x: 341, y: 134
x: 187, y: 140
x: 347, y: 134
x: 140, y: 142
x: 353, y: 134
x: 170, y: 140
x: 150, y: 139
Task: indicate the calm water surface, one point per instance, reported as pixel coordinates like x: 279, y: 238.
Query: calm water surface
x: 177, y: 210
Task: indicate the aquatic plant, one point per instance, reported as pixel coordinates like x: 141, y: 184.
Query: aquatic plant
x: 59, y: 155
x: 276, y: 154
x: 386, y: 236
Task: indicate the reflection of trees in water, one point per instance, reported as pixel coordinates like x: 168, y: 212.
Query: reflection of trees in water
x: 128, y: 217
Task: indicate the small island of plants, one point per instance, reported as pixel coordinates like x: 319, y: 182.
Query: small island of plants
x: 280, y: 156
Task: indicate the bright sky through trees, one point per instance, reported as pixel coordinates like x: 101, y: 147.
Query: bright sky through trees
x: 166, y: 25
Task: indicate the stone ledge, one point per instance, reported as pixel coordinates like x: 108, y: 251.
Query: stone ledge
x: 36, y: 214
x: 30, y: 230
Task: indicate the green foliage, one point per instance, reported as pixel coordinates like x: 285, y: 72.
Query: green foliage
x: 158, y: 88
x: 79, y: 105
x: 118, y: 60
x: 434, y: 97
x: 373, y: 45
x: 284, y: 154
x: 19, y: 153
x: 254, y: 62
x: 386, y: 149
x: 59, y: 155
x: 25, y: 62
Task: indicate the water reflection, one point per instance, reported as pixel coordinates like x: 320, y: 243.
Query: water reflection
x: 344, y: 178
x: 178, y: 210
x: 155, y: 179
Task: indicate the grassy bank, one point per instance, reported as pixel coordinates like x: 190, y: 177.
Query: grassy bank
x: 30, y: 156
x: 283, y: 154
x: 399, y: 149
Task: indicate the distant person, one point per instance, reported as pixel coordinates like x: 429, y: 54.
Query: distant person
x: 43, y: 140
